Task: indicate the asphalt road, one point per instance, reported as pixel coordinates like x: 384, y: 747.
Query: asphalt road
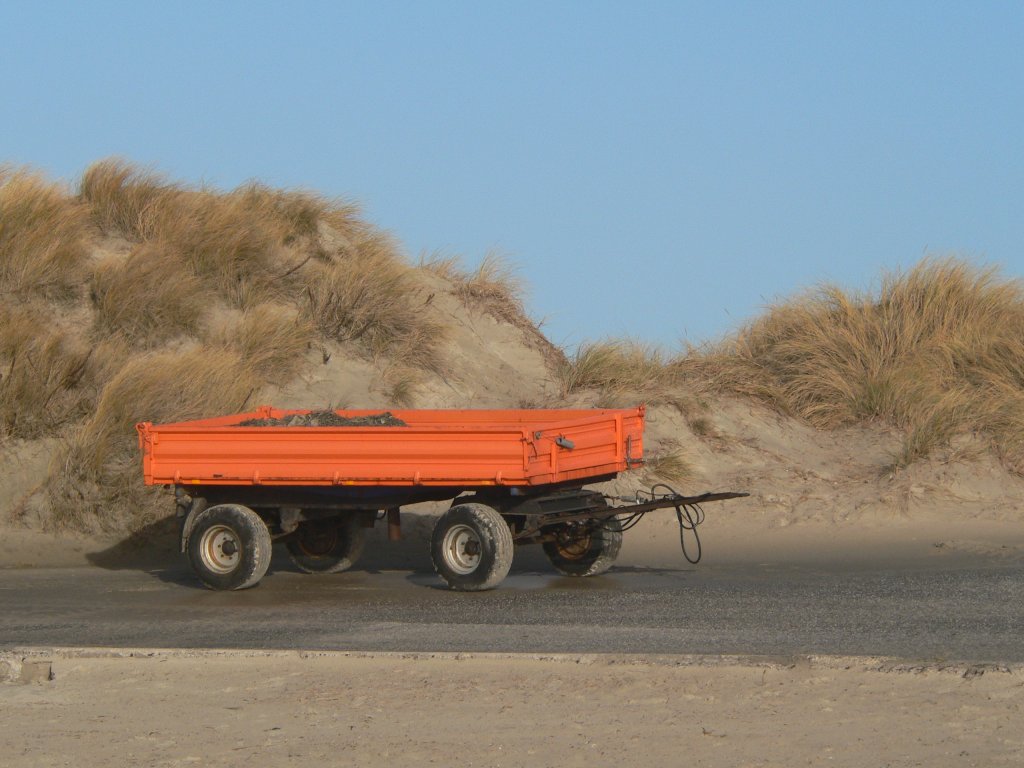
x: 964, y: 612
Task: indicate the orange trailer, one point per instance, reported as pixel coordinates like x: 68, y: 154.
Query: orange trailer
x: 318, y: 480
x: 453, y: 448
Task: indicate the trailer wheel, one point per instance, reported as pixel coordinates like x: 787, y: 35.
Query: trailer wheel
x: 472, y: 547
x: 327, y: 546
x: 229, y: 547
x: 585, y: 550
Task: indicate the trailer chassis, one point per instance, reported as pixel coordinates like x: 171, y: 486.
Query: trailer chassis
x: 579, y: 529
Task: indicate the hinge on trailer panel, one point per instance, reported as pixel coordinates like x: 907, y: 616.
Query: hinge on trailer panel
x: 630, y: 461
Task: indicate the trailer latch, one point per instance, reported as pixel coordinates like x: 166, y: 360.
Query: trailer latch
x: 630, y: 461
x: 564, y: 442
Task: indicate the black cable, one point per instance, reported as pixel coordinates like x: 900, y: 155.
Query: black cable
x: 689, y: 516
x: 690, y: 524
x: 630, y: 521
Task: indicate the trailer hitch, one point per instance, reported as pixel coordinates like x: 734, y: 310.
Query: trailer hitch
x: 689, y: 512
x: 543, y: 516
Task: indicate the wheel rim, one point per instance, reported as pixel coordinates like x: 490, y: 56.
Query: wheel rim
x: 461, y: 549
x: 573, y: 546
x: 220, y: 549
x: 318, y: 540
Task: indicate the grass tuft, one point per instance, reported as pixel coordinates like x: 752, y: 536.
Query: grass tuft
x: 495, y: 289
x: 297, y: 213
x: 123, y: 197
x: 373, y: 301
x: 669, y: 464
x: 271, y: 339
x: 43, y: 238
x: 46, y: 374
x: 617, y: 369
x: 164, y: 386
x: 401, y: 385
x: 147, y: 297
x: 701, y: 426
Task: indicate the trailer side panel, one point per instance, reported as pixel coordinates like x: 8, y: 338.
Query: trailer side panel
x: 467, y: 449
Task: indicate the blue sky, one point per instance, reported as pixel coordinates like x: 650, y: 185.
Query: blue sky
x: 655, y: 170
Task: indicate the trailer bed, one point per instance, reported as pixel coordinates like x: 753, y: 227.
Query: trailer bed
x: 437, y: 448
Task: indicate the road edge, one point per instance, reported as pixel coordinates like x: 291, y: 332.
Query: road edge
x: 19, y: 655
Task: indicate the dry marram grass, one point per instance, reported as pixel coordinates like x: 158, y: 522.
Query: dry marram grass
x: 248, y: 244
x: 401, y: 385
x: 495, y: 289
x: 122, y: 197
x: 223, y: 239
x: 937, y: 351
x: 43, y: 237
x: 271, y: 339
x: 45, y: 374
x: 373, y: 300
x: 669, y: 463
x: 147, y: 297
x: 254, y: 246
x: 618, y: 369
x: 96, y: 470
x: 216, y: 295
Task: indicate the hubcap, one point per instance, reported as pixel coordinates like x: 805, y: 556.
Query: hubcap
x: 461, y: 549
x: 220, y: 549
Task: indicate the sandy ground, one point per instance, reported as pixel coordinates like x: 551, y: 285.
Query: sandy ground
x: 243, y: 709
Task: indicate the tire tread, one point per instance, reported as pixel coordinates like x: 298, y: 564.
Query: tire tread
x: 490, y: 523
x: 254, y: 533
x: 608, y: 547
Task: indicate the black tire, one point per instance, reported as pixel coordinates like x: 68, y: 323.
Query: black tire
x: 585, y: 550
x: 327, y: 546
x: 229, y: 547
x: 472, y: 547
